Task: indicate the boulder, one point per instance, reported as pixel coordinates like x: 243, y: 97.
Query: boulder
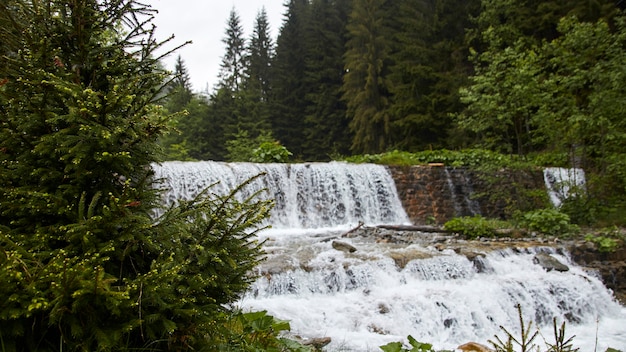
x: 317, y: 342
x: 344, y: 247
x: 474, y: 347
x: 549, y: 262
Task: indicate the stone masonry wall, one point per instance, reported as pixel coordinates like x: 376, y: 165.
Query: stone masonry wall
x: 436, y: 193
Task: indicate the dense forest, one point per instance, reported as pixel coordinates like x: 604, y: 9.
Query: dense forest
x: 538, y: 79
x: 351, y: 77
x: 85, y: 105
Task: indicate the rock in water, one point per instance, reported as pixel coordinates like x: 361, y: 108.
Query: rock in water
x: 344, y: 247
x: 474, y: 347
x: 317, y: 342
x: 549, y: 262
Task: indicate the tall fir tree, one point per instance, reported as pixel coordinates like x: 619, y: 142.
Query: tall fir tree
x: 255, y: 115
x: 429, y: 65
x: 84, y: 265
x: 180, y: 89
x: 366, y: 87
x: 227, y: 100
x: 233, y: 63
x: 288, y: 98
x: 327, y: 126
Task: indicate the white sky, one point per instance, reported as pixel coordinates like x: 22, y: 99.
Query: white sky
x: 204, y: 23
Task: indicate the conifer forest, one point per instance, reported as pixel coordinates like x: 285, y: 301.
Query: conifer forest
x: 87, y: 106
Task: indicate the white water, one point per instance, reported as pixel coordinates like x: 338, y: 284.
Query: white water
x: 312, y: 195
x: 363, y: 299
x: 563, y: 183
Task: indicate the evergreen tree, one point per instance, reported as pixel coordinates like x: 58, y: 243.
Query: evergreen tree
x: 429, y: 65
x: 327, y: 130
x: 178, y: 96
x: 255, y: 114
x: 227, y: 103
x: 366, y: 84
x: 180, y: 87
x: 203, y: 130
x: 260, y: 54
x: 233, y: 62
x: 84, y: 266
x: 288, y: 98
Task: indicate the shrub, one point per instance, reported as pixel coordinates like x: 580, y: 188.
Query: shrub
x: 416, y: 346
x: 608, y: 240
x: 270, y: 152
x: 475, y: 226
x: 547, y: 221
x: 258, y: 331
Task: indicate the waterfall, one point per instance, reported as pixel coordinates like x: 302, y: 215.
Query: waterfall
x: 461, y: 191
x: 561, y: 183
x: 368, y: 298
x: 311, y: 195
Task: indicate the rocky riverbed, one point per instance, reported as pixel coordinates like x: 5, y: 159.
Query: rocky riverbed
x: 611, y: 267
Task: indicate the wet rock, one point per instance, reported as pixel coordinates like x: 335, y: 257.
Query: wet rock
x: 549, y: 262
x: 344, y: 247
x: 383, y: 308
x: 402, y: 258
x: 474, y: 347
x: 317, y: 342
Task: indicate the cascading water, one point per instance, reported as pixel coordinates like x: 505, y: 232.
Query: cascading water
x: 383, y: 291
x: 461, y: 191
x: 363, y: 300
x: 562, y: 183
x: 307, y: 196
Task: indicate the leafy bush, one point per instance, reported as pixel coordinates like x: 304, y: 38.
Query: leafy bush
x: 270, y: 152
x: 547, y: 221
x: 258, y: 331
x: 416, y: 346
x: 241, y: 146
x: 608, y: 240
x: 462, y: 158
x: 475, y: 226
x: 582, y: 210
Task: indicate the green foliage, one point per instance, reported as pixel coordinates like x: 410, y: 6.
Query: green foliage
x: 475, y: 226
x: 326, y: 123
x: 607, y: 240
x: 256, y: 332
x: 242, y: 147
x: 462, y: 158
x: 549, y: 222
x: 581, y: 209
x: 270, y: 152
x: 289, y: 73
x: 366, y: 88
x: 84, y: 266
x: 416, y: 346
x: 556, y: 95
x: 527, y: 336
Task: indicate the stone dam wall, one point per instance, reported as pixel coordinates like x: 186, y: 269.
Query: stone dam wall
x: 436, y: 193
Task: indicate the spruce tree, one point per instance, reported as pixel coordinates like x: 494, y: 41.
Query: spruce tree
x: 366, y: 82
x: 288, y: 98
x: 84, y: 265
x: 327, y: 130
x: 227, y: 99
x: 255, y: 113
x: 180, y: 87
